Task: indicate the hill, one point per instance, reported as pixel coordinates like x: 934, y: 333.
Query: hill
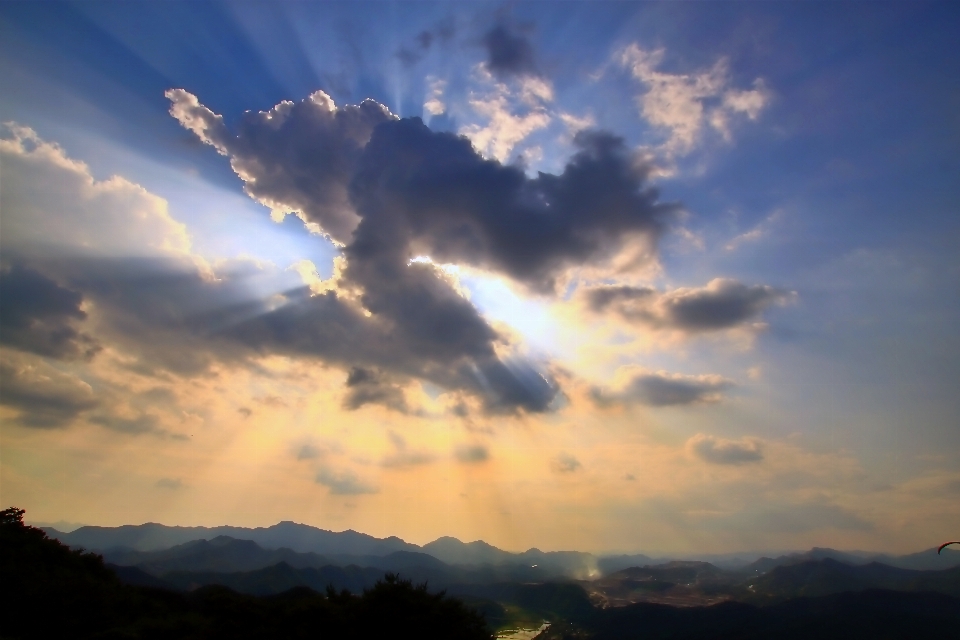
x: 48, y: 590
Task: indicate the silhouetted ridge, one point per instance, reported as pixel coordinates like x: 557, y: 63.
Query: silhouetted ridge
x: 51, y: 591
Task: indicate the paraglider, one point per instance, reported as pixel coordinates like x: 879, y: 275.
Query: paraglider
x: 946, y: 544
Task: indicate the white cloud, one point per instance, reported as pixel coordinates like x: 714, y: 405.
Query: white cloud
x: 53, y: 206
x: 511, y: 114
x: 681, y: 103
x: 761, y: 230
x: 434, y: 104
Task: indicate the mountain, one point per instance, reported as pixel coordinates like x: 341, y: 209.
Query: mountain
x: 568, y: 563
x: 297, y: 537
x: 51, y: 591
x: 453, y: 551
x: 222, y: 553
x: 922, y: 561
x: 865, y: 615
x: 612, y: 564
x: 828, y: 576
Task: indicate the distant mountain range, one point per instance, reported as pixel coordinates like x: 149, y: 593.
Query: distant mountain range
x: 158, y: 549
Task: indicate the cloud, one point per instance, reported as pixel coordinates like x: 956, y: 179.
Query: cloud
x: 44, y: 396
x: 308, y: 452
x: 471, y: 454
x: 141, y: 423
x: 433, y: 104
x: 684, y: 105
x: 366, y: 386
x: 40, y: 316
x: 509, y: 53
x: 633, y: 384
x: 434, y: 194
x: 756, y: 233
x: 511, y: 116
x: 720, y: 451
x: 296, y: 157
x: 565, y: 463
x: 722, y: 304
x: 403, y: 457
x: 345, y: 483
x: 417, y: 192
x: 53, y: 207
x: 442, y: 32
x: 169, y: 483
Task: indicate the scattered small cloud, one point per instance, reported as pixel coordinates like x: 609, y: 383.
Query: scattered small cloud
x: 565, y: 463
x: 403, y: 457
x: 684, y: 105
x: 308, y: 452
x: 761, y: 230
x: 509, y: 52
x: 634, y: 384
x: 471, y: 454
x: 169, y: 483
x: 719, y: 451
x: 722, y: 304
x: 344, y: 483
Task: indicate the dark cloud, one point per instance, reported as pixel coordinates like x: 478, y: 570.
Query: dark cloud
x: 420, y: 192
x: 143, y: 423
x: 565, y: 463
x: 345, y: 483
x: 661, y: 389
x: 298, y: 156
x: 722, y: 304
x: 43, y: 396
x: 169, y: 483
x: 472, y: 454
x: 508, y: 53
x: 719, y: 451
x: 365, y: 386
x: 416, y: 192
x: 442, y: 33
x: 40, y: 316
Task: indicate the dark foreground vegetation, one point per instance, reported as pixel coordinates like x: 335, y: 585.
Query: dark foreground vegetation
x: 51, y: 591
x: 48, y: 590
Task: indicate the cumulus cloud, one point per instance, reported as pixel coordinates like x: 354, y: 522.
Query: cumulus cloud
x: 509, y: 52
x: 720, y: 451
x: 565, y: 463
x: 417, y: 192
x: 40, y: 316
x: 684, y: 105
x: 344, y: 483
x: 633, y: 384
x: 721, y: 304
x: 43, y: 396
x: 433, y: 191
x: 298, y: 157
x: 471, y: 454
x: 53, y: 207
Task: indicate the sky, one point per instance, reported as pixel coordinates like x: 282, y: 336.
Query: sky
x: 660, y: 277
